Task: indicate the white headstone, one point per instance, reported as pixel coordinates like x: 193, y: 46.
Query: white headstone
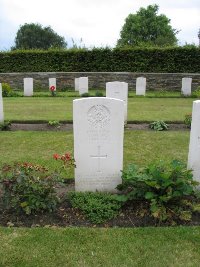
x: 52, y: 82
x: 186, y: 86
x: 118, y: 90
x: 140, y: 86
x: 76, y: 84
x: 194, y: 146
x: 98, y: 143
x: 83, y: 85
x: 1, y: 105
x: 28, y: 86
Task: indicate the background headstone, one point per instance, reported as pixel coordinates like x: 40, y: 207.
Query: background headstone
x: 118, y: 90
x: 186, y: 86
x: 1, y: 105
x: 140, y: 86
x: 83, y: 85
x: 52, y: 82
x: 28, y: 86
x: 194, y: 146
x: 76, y: 84
x: 98, y: 124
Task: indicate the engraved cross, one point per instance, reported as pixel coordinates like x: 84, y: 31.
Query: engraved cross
x: 99, y: 157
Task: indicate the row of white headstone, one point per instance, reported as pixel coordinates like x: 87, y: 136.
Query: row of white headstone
x: 81, y: 85
x: 28, y: 85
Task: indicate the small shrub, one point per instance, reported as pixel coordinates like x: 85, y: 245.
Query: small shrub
x: 28, y: 188
x: 188, y: 120
x: 98, y: 207
x: 159, y: 126
x: 85, y: 95
x: 5, y: 126
x: 6, y: 89
x: 98, y: 94
x: 54, y: 123
x: 196, y: 93
x: 165, y: 186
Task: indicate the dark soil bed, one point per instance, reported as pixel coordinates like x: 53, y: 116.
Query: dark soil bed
x: 132, y: 215
x: 65, y: 127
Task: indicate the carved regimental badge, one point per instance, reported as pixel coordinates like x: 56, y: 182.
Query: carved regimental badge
x: 98, y: 116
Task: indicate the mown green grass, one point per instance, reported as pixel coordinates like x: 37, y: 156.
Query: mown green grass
x: 60, y: 108
x: 75, y: 247
x: 140, y: 147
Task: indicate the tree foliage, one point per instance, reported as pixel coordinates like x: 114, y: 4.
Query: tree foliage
x: 34, y: 36
x: 147, y: 28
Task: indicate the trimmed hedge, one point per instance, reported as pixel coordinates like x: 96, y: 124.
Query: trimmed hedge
x: 168, y: 60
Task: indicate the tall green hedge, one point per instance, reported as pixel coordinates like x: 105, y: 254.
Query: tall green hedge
x: 166, y: 60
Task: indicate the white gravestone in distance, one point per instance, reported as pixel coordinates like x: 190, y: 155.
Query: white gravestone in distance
x: 186, y: 86
x: 83, y: 85
x: 1, y: 105
x: 76, y: 84
x: 98, y: 124
x: 140, y: 86
x: 194, y: 146
x: 28, y: 86
x: 118, y: 90
x: 52, y: 82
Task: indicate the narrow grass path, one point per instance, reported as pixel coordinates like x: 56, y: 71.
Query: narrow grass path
x: 60, y: 108
x: 75, y: 247
x: 140, y: 147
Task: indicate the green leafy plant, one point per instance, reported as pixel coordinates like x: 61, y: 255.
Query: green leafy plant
x: 5, y: 126
x: 158, y: 126
x: 98, y: 207
x: 196, y: 93
x: 29, y: 188
x: 98, y: 94
x: 6, y: 89
x: 164, y: 186
x: 188, y: 120
x: 85, y: 95
x: 54, y: 123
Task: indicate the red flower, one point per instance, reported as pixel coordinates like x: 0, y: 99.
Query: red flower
x: 52, y: 88
x: 56, y: 156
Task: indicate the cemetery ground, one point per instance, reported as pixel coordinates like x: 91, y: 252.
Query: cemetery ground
x: 51, y: 245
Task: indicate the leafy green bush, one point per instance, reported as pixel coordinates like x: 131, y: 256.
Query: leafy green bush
x: 188, y: 120
x: 98, y: 94
x: 54, y: 123
x: 85, y: 95
x: 5, y: 126
x: 168, y: 60
x: 159, y: 126
x: 98, y: 207
x: 28, y: 188
x: 166, y: 187
x: 6, y: 89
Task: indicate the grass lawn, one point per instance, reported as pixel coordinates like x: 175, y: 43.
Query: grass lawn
x: 60, y: 108
x: 156, y: 247
x: 140, y: 147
